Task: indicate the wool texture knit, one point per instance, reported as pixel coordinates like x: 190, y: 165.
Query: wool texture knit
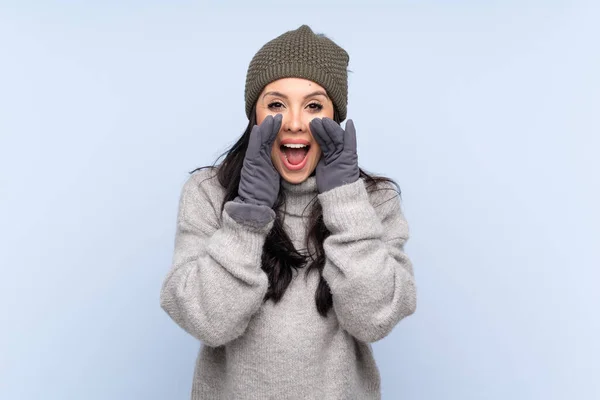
x: 264, y: 350
x: 300, y: 53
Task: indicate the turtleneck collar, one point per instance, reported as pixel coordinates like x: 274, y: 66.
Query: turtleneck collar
x: 298, y: 196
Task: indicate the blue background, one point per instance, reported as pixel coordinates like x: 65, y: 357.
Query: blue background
x: 486, y: 114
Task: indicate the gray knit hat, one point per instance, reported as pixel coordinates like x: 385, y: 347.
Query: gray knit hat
x: 300, y: 53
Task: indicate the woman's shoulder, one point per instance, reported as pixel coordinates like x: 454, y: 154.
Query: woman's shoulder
x: 382, y: 190
x: 385, y: 196
x: 205, y: 177
x: 202, y: 189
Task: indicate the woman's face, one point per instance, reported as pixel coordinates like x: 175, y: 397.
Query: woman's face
x: 299, y: 101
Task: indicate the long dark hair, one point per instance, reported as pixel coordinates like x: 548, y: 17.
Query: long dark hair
x: 279, y: 256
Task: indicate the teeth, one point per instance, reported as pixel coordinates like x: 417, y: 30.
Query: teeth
x: 295, y: 146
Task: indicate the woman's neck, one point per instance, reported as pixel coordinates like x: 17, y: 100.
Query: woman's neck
x: 300, y: 196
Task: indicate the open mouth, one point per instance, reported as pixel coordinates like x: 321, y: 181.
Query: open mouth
x: 294, y: 157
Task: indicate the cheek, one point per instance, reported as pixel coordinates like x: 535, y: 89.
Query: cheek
x: 317, y: 151
x: 261, y: 113
x: 275, y: 155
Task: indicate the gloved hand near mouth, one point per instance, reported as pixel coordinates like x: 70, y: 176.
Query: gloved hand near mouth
x: 339, y: 163
x: 259, y: 181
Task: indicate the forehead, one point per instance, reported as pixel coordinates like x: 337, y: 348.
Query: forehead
x: 293, y: 85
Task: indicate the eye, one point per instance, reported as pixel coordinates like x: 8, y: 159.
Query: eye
x: 317, y: 107
x: 274, y: 105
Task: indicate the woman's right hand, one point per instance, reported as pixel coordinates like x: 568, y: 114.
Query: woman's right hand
x: 259, y: 180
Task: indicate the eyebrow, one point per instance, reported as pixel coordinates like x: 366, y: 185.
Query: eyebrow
x: 279, y: 94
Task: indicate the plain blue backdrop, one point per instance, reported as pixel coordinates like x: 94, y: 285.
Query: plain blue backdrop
x: 485, y: 113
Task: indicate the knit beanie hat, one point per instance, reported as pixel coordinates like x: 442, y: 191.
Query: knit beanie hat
x: 300, y: 53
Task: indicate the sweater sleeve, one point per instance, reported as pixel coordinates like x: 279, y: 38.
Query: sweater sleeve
x: 215, y: 284
x: 370, y: 277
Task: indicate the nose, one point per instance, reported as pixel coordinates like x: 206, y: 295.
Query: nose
x: 292, y: 122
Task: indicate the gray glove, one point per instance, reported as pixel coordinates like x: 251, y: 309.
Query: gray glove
x: 339, y: 163
x: 259, y: 181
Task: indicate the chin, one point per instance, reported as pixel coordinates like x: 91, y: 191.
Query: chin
x: 299, y: 176
x: 294, y: 178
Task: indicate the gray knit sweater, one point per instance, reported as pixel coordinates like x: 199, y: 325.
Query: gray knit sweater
x: 254, y: 350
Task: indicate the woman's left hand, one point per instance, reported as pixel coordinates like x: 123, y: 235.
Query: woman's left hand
x: 339, y: 163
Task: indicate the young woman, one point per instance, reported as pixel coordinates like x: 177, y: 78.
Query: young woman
x: 289, y: 258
